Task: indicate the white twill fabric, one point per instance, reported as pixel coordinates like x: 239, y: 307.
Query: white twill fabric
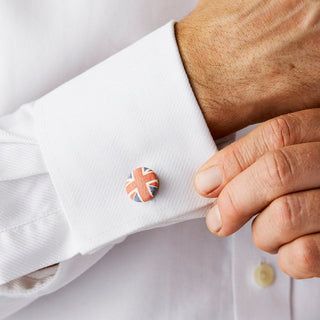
x: 99, y: 211
x: 30, y: 213
x: 69, y: 139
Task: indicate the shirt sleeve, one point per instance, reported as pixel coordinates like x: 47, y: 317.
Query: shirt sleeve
x: 33, y: 229
x: 135, y: 109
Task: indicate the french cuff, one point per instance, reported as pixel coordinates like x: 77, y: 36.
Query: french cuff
x: 135, y: 109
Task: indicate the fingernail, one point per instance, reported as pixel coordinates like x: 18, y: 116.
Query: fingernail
x: 213, y: 219
x: 208, y: 180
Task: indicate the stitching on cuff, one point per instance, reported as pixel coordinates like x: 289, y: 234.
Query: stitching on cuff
x: 31, y: 221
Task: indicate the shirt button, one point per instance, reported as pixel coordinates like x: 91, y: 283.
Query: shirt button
x: 142, y: 184
x: 263, y: 275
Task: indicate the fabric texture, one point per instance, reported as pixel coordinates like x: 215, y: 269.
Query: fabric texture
x: 33, y: 230
x: 89, y: 147
x: 175, y: 272
x: 37, y: 230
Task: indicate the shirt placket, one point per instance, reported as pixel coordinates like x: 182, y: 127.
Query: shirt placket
x: 261, y: 290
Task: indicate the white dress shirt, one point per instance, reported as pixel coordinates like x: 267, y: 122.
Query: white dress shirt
x: 65, y: 157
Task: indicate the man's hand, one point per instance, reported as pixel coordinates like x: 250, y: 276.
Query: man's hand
x: 251, y: 60
x: 274, y: 170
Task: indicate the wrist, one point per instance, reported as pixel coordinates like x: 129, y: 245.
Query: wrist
x: 188, y: 44
x: 244, y: 70
x: 217, y: 78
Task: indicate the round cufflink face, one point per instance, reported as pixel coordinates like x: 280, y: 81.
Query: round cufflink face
x: 142, y: 184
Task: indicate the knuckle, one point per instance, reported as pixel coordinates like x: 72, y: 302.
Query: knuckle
x: 260, y: 232
x: 239, y: 159
x: 279, y: 132
x: 278, y: 169
x: 305, y: 257
x: 228, y: 204
x: 290, y: 270
x: 283, y: 265
x: 287, y: 213
x: 258, y: 240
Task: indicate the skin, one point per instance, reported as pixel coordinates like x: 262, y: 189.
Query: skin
x: 250, y: 61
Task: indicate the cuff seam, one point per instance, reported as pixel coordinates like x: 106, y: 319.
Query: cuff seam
x: 30, y: 222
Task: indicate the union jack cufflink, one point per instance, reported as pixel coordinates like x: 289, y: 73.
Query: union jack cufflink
x: 142, y: 184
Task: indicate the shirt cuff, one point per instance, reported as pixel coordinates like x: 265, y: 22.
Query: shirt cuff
x: 135, y: 109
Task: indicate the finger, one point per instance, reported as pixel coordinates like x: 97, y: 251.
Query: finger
x: 287, y: 170
x: 290, y: 129
x: 300, y: 259
x: 286, y: 219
